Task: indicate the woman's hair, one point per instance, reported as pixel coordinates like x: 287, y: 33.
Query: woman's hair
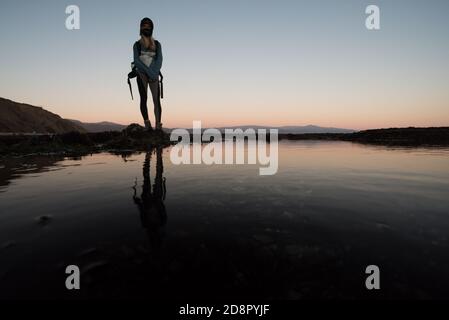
x: 148, y: 42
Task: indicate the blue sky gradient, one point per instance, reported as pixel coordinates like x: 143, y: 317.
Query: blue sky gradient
x: 235, y: 62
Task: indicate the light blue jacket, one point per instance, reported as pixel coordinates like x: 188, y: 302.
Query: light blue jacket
x: 155, y: 67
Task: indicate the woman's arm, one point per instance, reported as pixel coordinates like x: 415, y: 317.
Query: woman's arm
x: 156, y: 64
x: 152, y: 74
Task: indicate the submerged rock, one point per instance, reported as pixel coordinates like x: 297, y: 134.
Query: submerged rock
x: 44, y: 219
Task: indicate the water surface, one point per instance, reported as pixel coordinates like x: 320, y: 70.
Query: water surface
x: 139, y: 226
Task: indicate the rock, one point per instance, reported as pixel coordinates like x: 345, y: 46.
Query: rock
x: 44, y: 219
x: 134, y: 129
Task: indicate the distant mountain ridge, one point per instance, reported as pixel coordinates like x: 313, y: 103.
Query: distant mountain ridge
x: 288, y: 129
x: 297, y: 129
x: 18, y: 117
x: 111, y: 126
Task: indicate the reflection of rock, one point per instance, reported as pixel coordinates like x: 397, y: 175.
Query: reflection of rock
x: 16, y: 167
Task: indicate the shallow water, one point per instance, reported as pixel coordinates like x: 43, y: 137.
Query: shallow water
x: 225, y: 231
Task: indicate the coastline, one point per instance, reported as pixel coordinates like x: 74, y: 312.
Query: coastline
x: 135, y: 138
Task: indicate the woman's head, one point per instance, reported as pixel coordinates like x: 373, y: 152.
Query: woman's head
x: 146, y: 27
x: 146, y: 33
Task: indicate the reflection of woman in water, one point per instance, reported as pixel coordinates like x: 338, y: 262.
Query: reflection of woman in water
x: 151, y: 202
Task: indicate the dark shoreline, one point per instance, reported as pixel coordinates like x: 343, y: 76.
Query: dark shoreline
x: 135, y: 138
x: 412, y: 137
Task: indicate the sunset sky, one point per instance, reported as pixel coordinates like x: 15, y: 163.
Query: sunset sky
x: 235, y: 62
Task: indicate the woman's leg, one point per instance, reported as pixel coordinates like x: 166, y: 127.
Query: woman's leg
x: 142, y: 84
x: 154, y: 87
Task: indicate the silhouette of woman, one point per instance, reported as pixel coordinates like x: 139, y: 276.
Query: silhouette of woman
x: 147, y: 54
x: 151, y: 202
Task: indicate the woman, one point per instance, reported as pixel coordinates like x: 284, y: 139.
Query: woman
x: 148, y: 61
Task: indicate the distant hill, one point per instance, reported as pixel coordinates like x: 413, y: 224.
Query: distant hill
x: 300, y: 129
x: 111, y: 126
x: 24, y: 118
x: 290, y: 129
x: 99, y: 126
